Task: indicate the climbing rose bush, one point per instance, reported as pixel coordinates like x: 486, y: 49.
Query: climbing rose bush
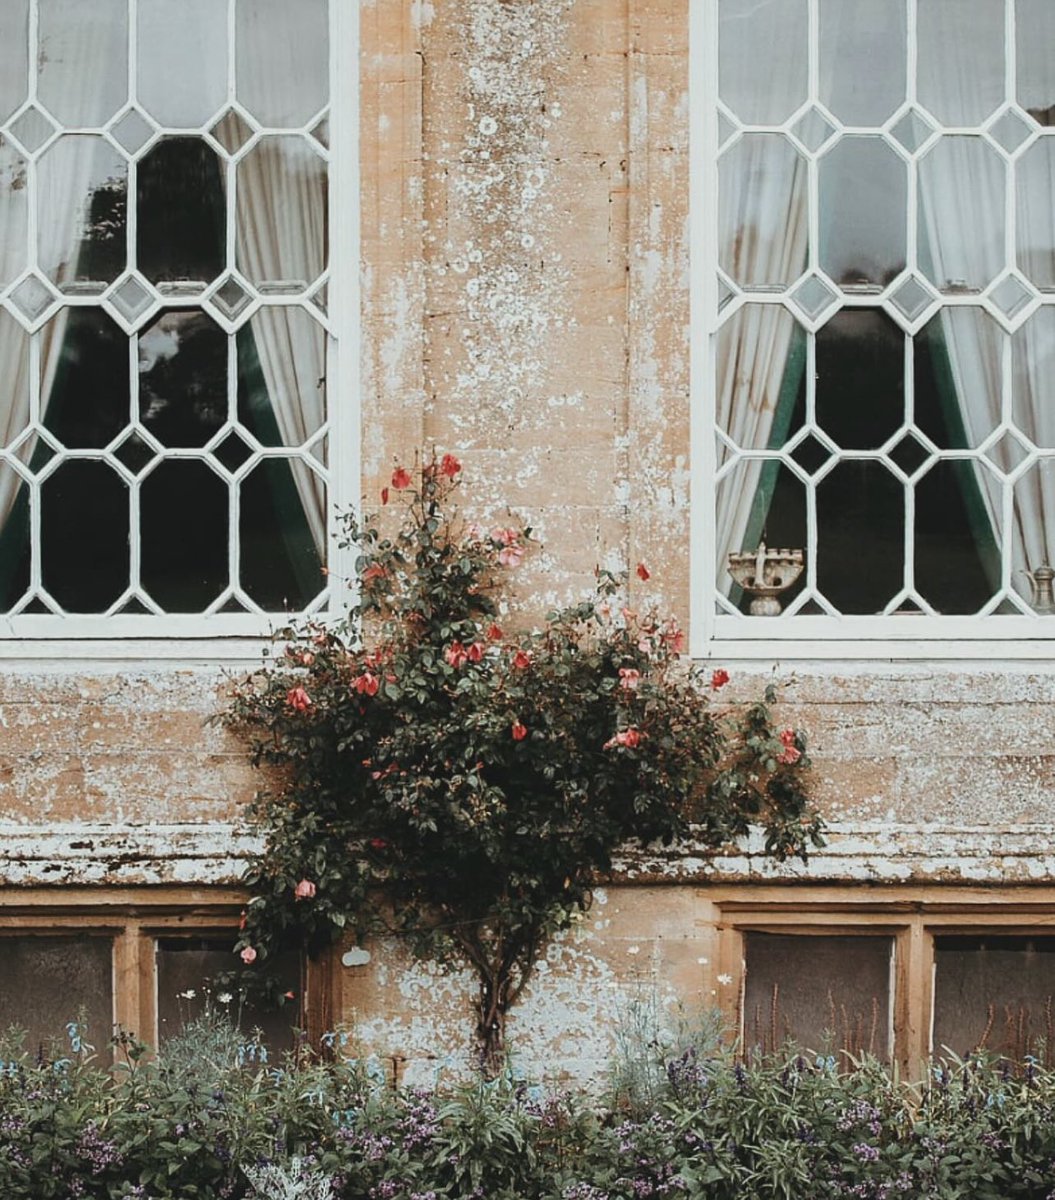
x: 465, y: 785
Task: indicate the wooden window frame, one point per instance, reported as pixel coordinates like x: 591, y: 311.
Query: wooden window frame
x: 914, y: 917
x: 135, y: 923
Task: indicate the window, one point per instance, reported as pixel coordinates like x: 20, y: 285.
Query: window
x: 905, y: 975
x: 875, y: 306
x: 821, y: 991
x: 168, y: 314
x: 148, y: 972
x: 48, y: 981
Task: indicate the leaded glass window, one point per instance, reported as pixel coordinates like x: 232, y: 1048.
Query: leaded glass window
x: 165, y: 331
x: 882, y: 313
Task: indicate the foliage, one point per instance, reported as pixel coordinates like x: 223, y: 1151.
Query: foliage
x: 785, y: 1127
x: 463, y: 786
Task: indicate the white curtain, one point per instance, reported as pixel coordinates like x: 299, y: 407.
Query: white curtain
x: 763, y: 233
x: 66, y: 174
x: 282, y: 243
x: 962, y: 248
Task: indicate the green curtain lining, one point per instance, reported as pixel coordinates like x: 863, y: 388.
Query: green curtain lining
x: 966, y: 472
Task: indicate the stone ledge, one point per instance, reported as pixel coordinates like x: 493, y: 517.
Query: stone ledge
x: 870, y: 852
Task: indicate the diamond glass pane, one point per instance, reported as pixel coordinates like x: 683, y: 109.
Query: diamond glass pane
x: 32, y: 128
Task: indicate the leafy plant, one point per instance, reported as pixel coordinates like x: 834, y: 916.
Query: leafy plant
x: 464, y: 786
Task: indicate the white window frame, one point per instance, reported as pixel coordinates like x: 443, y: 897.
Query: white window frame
x: 810, y: 637
x: 240, y: 637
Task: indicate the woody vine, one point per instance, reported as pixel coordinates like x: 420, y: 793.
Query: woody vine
x: 465, y: 786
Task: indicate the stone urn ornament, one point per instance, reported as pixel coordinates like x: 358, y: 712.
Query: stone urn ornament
x: 765, y: 574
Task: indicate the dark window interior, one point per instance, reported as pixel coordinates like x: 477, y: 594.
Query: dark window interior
x: 995, y: 994
x: 195, y: 965
x: 822, y: 992
x: 47, y: 982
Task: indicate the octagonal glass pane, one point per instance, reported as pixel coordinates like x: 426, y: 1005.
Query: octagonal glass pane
x: 84, y: 533
x: 182, y: 215
x: 763, y: 212
x: 282, y: 556
x: 283, y: 60
x: 961, y: 214
x: 183, y: 378
x: 958, y: 388
x: 84, y: 382
x: 1033, y: 378
x: 860, y: 536
x: 14, y: 208
x: 960, y: 59
x: 1034, y: 78
x: 957, y: 534
x: 184, y: 532
x: 863, y: 188
x: 1035, y: 229
x: 82, y: 60
x: 14, y: 55
x: 82, y: 194
x: 863, y: 57
x: 763, y: 40
x: 282, y: 208
x: 860, y: 397
x: 182, y: 60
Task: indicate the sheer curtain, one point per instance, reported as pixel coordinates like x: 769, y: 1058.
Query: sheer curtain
x: 962, y: 248
x: 66, y: 175
x: 282, y: 240
x: 764, y: 232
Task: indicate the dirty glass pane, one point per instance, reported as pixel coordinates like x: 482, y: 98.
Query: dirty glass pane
x: 47, y: 982
x: 189, y: 974
x: 829, y: 993
x: 995, y: 994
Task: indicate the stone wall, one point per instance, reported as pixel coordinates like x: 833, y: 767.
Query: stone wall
x: 524, y: 226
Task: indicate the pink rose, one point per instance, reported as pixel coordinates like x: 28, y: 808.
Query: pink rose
x: 456, y: 655
x: 298, y: 699
x: 629, y: 678
x: 248, y: 955
x: 305, y: 890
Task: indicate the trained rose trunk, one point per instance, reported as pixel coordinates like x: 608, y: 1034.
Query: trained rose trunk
x: 463, y: 786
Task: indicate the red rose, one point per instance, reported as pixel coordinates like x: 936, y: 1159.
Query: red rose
x: 719, y: 678
x: 456, y: 655
x: 475, y: 652
x: 367, y: 683
x: 449, y: 466
x: 643, y: 573
x: 791, y: 753
x: 519, y: 731
x: 384, y: 495
x: 521, y: 660
x: 298, y: 699
x: 400, y: 478
x: 494, y: 634
x: 378, y: 844
x: 373, y: 571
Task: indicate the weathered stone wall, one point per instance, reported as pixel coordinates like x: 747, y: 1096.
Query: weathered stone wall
x: 524, y: 223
